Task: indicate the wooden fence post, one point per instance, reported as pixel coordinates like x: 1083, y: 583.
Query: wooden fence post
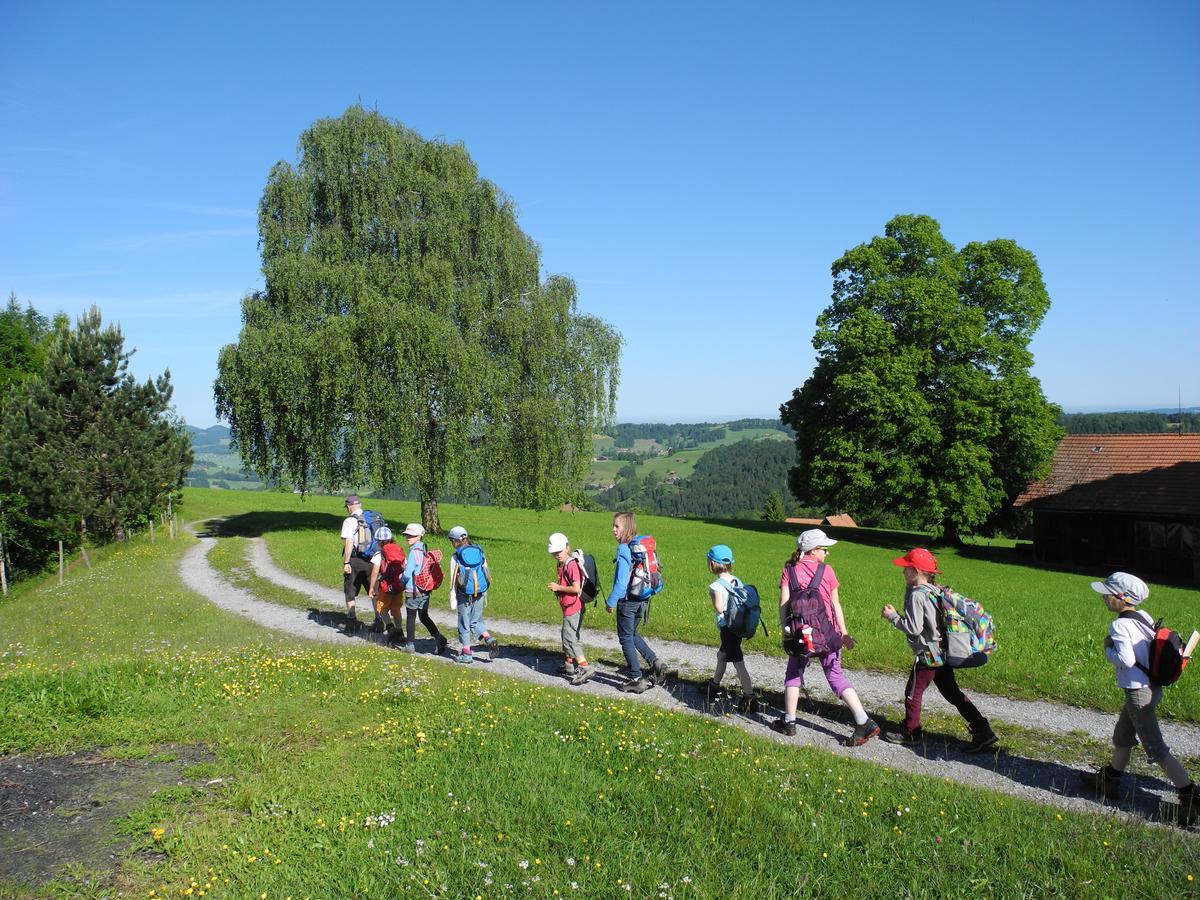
x: 152, y: 530
x: 60, y: 563
x: 3, y: 569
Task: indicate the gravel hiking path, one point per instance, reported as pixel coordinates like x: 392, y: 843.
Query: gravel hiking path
x: 1044, y: 782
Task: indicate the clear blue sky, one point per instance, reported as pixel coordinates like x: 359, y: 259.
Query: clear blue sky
x: 696, y: 167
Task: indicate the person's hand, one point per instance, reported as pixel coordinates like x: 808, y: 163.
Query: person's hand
x: 609, y: 608
x: 848, y: 642
x: 888, y: 611
x: 346, y: 568
x: 552, y: 585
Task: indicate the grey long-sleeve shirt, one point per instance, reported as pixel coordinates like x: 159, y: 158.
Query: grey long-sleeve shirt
x: 919, y: 623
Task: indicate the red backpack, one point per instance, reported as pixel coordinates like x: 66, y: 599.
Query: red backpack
x: 645, y: 575
x: 1168, y: 657
x: 391, y: 570
x: 429, y: 577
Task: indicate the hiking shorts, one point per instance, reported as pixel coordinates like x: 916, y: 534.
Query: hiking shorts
x: 1139, y: 722
x: 359, y: 576
x: 391, y: 602
x: 731, y: 646
x: 831, y: 665
x: 416, y: 601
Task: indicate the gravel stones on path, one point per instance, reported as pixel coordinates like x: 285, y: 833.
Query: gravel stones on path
x: 1038, y: 780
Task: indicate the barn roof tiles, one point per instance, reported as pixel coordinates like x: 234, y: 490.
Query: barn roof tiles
x: 1149, y: 474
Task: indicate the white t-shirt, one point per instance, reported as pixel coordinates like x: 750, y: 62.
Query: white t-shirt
x: 1131, y: 645
x: 720, y: 588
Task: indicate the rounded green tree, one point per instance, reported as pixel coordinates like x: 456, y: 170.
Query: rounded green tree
x: 921, y: 406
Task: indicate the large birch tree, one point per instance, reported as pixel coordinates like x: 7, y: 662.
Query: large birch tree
x: 404, y: 335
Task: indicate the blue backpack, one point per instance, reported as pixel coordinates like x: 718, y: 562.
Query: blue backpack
x: 743, y: 611
x: 471, y: 581
x: 366, y: 544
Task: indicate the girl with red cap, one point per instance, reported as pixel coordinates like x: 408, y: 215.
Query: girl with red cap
x: 920, y: 625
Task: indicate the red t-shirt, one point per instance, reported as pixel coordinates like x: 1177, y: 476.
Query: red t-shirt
x: 391, y: 568
x: 569, y: 573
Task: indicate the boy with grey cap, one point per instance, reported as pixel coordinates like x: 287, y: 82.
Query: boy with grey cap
x: 1127, y: 647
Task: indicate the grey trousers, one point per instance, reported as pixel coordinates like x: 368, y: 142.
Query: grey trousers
x: 572, y: 640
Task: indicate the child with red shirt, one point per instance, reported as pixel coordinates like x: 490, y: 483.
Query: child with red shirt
x: 567, y: 589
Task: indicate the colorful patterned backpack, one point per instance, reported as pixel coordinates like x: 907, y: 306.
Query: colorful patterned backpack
x: 968, y: 632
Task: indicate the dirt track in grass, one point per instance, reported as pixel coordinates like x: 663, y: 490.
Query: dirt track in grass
x: 1040, y: 780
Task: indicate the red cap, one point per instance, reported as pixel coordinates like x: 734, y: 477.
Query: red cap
x: 919, y: 558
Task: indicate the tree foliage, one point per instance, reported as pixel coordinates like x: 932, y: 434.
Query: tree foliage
x: 22, y: 332
x: 921, y: 403
x: 773, y: 510
x: 84, y: 448
x: 1130, y: 422
x: 403, y: 336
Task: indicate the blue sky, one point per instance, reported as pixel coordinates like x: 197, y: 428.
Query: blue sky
x: 695, y: 167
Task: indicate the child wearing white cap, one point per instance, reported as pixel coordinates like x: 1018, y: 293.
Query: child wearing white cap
x: 470, y: 579
x: 416, y: 601
x: 1127, y: 647
x: 568, y: 589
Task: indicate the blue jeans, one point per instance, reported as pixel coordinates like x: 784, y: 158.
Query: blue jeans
x: 470, y: 619
x: 629, y: 615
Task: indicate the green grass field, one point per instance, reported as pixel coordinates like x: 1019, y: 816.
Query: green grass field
x: 681, y: 463
x: 1050, y: 625
x: 357, y: 772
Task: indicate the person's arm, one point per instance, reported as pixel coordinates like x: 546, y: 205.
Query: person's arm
x: 620, y: 576
x: 412, y: 566
x: 912, y: 623
x: 717, y: 596
x: 1120, y: 652
x: 785, y: 594
x: 376, y: 567
x: 839, y: 619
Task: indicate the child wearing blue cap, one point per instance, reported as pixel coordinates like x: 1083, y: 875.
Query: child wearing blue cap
x: 720, y: 563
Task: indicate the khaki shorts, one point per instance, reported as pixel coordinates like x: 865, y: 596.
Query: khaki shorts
x: 1139, y: 722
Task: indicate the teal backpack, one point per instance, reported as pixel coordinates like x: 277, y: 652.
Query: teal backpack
x: 471, y: 580
x: 743, y: 611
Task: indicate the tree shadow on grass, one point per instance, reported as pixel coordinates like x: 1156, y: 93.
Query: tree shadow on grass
x: 256, y: 524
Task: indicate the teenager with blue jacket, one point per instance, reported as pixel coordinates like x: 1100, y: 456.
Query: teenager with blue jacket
x: 630, y: 612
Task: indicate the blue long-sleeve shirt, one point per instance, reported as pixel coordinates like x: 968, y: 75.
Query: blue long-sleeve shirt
x: 416, y: 556
x: 620, y: 576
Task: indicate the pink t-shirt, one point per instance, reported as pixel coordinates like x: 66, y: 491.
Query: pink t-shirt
x: 805, y: 569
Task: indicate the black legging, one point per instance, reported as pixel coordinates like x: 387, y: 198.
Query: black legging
x: 426, y: 620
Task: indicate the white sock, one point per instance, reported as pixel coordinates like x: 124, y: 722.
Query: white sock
x: 860, y: 718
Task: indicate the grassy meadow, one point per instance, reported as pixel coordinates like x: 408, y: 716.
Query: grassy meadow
x: 1050, y: 625
x: 355, y: 771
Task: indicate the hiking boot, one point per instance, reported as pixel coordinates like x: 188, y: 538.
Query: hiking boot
x: 351, y: 622
x: 636, y: 686
x: 440, y: 645
x: 1189, y: 806
x: 904, y: 737
x: 713, y: 692
x: 584, y: 675
x: 567, y: 670
x: 747, y: 704
x: 378, y: 626
x: 493, y: 647
x: 783, y: 726
x: 465, y: 657
x: 1105, y: 782
x: 395, y: 635
x: 658, y: 672
x: 409, y: 647
x: 982, y: 740
x: 862, y: 734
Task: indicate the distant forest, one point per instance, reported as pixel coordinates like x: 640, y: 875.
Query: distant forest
x: 731, y: 481
x: 1129, y: 422
x: 683, y: 437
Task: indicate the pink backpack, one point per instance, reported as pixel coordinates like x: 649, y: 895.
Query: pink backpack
x: 806, y: 606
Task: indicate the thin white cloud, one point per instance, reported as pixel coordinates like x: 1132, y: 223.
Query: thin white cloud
x: 167, y: 239
x: 198, y: 209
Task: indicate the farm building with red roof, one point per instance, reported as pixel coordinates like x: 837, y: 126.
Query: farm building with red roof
x: 1127, y: 501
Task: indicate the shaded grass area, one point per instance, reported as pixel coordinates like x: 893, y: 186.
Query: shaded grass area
x: 1050, y: 625
x: 352, y: 771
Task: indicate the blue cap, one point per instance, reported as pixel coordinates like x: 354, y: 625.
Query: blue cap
x: 719, y: 553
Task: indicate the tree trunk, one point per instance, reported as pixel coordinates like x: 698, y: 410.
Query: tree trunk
x: 429, y: 515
